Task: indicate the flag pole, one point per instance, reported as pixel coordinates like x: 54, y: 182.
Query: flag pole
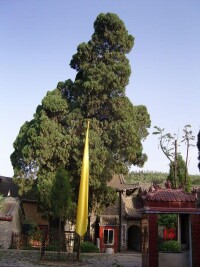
x: 82, y: 209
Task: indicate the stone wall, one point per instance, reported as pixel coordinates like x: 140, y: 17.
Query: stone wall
x: 8, y: 227
x: 173, y: 259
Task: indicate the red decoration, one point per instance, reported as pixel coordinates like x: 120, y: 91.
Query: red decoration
x: 169, y: 234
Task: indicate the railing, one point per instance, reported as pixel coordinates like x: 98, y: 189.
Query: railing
x: 64, y: 248
x: 19, y: 241
x: 51, y: 247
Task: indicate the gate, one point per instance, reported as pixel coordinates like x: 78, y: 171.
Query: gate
x: 65, y: 248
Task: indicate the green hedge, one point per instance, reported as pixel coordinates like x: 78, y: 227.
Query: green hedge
x: 89, y: 247
x: 170, y: 246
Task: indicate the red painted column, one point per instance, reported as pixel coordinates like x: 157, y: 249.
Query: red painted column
x: 145, y: 242
x: 195, y: 221
x: 153, y: 241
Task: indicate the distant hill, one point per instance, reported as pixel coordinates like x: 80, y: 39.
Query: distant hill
x: 157, y: 177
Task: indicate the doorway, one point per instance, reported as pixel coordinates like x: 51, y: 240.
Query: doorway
x: 134, y: 238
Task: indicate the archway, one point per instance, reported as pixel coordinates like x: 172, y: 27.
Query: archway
x: 170, y: 201
x: 134, y: 238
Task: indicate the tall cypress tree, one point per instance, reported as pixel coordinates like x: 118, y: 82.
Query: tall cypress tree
x: 55, y: 137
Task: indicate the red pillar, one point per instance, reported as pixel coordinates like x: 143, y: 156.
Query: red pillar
x: 145, y: 242
x: 195, y: 223
x: 153, y: 240
x: 150, y: 255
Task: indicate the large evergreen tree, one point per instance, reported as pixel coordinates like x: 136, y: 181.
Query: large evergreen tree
x: 55, y: 136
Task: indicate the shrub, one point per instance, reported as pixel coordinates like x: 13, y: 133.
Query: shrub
x: 167, y: 220
x: 51, y: 248
x: 89, y: 247
x: 28, y: 247
x: 170, y: 246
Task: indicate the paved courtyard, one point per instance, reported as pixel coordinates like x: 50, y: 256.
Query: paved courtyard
x: 19, y: 258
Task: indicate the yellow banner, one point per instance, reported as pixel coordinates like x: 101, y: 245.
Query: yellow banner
x: 82, y: 211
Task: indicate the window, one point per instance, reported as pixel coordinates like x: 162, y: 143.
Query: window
x: 108, y: 236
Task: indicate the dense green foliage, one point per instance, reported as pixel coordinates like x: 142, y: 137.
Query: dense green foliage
x: 157, y: 177
x: 178, y: 174
x: 61, y: 195
x: 146, y: 177
x: 181, y: 169
x: 167, y: 220
x: 55, y: 136
x: 89, y: 247
x: 170, y: 246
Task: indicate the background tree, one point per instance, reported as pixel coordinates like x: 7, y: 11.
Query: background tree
x: 156, y: 177
x: 178, y: 167
x: 56, y: 135
x: 187, y: 138
x: 181, y: 169
x: 168, y: 145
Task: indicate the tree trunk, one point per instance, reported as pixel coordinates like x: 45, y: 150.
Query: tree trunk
x: 186, y: 163
x: 175, y: 165
x: 59, y: 237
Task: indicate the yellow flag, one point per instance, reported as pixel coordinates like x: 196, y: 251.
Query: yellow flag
x: 82, y: 211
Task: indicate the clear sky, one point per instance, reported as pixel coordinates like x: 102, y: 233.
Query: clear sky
x: 39, y: 37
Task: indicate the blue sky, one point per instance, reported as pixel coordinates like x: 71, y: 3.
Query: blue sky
x: 39, y: 37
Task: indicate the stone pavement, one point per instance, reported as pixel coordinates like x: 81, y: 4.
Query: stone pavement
x: 115, y: 260
x: 27, y: 258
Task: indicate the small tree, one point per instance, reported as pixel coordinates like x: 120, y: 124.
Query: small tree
x: 178, y: 167
x: 168, y: 145
x: 61, y: 196
x: 180, y: 172
x: 187, y: 138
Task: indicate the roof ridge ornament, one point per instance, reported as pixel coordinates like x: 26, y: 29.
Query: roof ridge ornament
x: 168, y: 184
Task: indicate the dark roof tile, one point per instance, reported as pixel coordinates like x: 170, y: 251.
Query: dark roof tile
x: 170, y: 195
x: 118, y: 182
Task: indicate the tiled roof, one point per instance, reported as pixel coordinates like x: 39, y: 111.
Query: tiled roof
x: 131, y: 206
x: 6, y: 218
x: 6, y: 213
x: 169, y: 195
x: 109, y: 220
x: 118, y: 182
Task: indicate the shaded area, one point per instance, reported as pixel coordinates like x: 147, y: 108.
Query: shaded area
x: 134, y: 238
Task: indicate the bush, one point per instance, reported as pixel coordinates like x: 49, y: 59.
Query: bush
x: 51, y: 248
x: 170, y: 246
x: 89, y: 247
x: 28, y: 247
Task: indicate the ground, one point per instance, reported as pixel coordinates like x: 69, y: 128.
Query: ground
x: 19, y: 258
